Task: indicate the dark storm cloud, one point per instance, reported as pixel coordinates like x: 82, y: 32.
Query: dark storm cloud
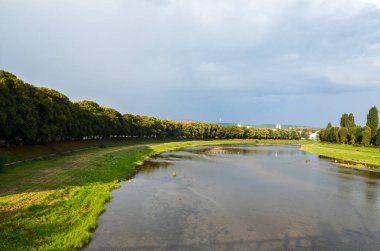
x: 244, y: 61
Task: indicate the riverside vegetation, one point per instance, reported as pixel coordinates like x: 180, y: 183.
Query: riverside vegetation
x: 357, y: 156
x: 30, y: 115
x: 54, y: 203
x: 350, y: 133
x: 354, y: 144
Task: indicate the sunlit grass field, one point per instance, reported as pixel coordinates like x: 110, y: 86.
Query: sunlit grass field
x: 368, y: 155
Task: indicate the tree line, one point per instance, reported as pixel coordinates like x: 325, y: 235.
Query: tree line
x: 30, y: 114
x: 350, y: 133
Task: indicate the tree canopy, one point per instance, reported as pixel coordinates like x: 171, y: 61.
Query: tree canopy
x: 30, y: 114
x: 350, y: 133
x: 373, y: 121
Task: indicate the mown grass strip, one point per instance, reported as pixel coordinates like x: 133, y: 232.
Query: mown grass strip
x: 360, y: 154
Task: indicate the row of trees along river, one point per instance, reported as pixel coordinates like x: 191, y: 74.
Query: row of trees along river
x: 350, y: 133
x: 30, y: 114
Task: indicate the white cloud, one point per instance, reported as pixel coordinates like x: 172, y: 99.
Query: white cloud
x: 372, y: 2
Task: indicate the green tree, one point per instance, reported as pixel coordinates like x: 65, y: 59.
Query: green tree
x: 352, y: 134
x: 343, y: 135
x: 294, y: 134
x: 344, y: 120
x: 351, y: 120
x: 366, y: 136
x: 328, y: 133
x: 372, y: 122
x: 30, y: 114
x: 378, y: 137
x: 359, y: 134
x: 322, y: 135
x: 335, y: 134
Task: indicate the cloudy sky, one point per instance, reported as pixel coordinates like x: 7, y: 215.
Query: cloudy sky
x: 275, y: 61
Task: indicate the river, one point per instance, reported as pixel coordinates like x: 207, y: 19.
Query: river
x: 242, y: 198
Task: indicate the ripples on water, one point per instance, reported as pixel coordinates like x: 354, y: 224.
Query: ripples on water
x: 242, y: 198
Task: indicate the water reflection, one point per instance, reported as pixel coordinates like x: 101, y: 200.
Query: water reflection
x: 243, y: 198
x: 153, y: 165
x: 246, y: 150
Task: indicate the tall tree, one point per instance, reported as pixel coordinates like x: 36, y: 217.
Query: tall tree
x: 30, y: 114
x: 373, y: 121
x: 334, y: 134
x: 343, y: 135
x: 359, y: 134
x: 351, y: 120
x: 378, y: 137
x: 344, y: 120
x: 352, y: 134
x: 327, y: 132
x: 366, y: 135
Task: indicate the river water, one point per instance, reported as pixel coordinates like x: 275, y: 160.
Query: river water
x: 242, y: 198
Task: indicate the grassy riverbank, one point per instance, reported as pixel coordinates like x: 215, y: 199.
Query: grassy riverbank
x: 355, y: 154
x: 54, y: 203
x: 19, y: 153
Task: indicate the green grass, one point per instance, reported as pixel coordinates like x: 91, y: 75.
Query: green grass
x: 54, y: 203
x: 30, y: 152
x: 284, y: 142
x: 27, y: 152
x: 368, y: 155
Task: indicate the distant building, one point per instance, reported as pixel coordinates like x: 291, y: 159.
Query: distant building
x: 313, y: 136
x: 378, y: 126
x: 278, y: 126
x: 184, y: 122
x: 240, y: 125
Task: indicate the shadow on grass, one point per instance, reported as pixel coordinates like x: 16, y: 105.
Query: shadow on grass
x: 43, y: 201
x: 78, y: 169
